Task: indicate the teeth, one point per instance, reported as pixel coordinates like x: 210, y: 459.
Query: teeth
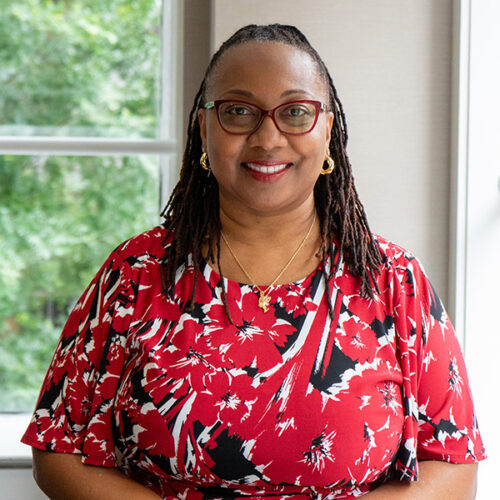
x: 266, y: 170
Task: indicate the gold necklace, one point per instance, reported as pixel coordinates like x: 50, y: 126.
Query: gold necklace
x: 264, y: 298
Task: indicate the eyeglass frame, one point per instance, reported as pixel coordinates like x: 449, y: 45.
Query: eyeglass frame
x: 318, y: 105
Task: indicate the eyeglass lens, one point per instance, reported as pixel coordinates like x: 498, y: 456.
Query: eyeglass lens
x: 292, y: 118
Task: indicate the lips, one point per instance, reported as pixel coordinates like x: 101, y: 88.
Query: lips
x: 266, y: 171
x: 266, y: 167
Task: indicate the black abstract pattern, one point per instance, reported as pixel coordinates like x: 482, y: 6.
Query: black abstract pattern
x: 283, y: 404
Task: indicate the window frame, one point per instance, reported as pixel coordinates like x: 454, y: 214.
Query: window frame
x: 472, y: 144
x: 167, y: 147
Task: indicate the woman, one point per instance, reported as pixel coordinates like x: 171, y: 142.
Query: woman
x: 262, y: 342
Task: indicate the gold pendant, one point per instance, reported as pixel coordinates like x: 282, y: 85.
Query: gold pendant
x: 264, y: 301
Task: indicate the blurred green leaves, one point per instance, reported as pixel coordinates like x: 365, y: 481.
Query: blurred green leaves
x: 59, y: 219
x: 74, y: 67
x: 89, y: 67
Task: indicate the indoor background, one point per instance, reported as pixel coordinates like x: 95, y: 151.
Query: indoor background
x: 419, y: 82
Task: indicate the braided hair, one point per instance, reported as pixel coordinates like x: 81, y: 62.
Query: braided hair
x: 192, y: 210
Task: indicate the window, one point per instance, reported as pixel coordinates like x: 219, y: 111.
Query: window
x: 477, y: 217
x: 88, y: 153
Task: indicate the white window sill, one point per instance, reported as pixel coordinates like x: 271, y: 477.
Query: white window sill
x: 13, y: 453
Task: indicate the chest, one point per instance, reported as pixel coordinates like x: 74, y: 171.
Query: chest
x: 286, y: 396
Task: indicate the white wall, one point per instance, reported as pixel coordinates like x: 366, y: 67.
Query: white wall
x: 391, y: 63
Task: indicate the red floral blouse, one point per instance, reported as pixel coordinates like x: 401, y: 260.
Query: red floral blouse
x: 285, y: 403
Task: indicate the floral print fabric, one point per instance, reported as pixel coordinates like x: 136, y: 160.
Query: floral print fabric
x: 286, y: 403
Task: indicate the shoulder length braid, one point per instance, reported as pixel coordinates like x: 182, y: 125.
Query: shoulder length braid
x: 192, y: 211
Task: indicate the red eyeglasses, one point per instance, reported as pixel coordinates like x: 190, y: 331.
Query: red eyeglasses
x: 290, y: 118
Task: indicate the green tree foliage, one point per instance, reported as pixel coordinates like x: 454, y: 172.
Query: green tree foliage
x: 80, y: 63
x: 74, y: 67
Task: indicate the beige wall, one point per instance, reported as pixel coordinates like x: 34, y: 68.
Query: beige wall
x: 197, y: 36
x: 391, y: 63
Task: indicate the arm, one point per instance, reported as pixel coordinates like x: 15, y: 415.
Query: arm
x: 437, y: 481
x: 61, y: 476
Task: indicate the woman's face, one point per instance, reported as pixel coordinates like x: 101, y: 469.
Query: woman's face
x: 265, y: 172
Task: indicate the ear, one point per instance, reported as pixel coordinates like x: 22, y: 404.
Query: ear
x: 202, y: 120
x: 329, y: 125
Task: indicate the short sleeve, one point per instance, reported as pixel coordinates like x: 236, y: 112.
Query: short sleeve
x: 448, y: 427
x: 74, y: 410
x: 440, y: 422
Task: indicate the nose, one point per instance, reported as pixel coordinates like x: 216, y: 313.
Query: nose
x: 267, y: 136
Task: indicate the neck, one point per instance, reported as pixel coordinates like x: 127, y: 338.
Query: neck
x: 271, y: 249
x: 269, y: 230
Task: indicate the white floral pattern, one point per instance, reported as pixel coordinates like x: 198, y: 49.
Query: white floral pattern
x: 283, y: 404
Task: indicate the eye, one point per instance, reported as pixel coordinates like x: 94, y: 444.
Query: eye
x: 295, y: 110
x: 296, y: 116
x: 238, y: 109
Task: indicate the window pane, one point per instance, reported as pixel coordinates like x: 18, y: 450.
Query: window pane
x: 60, y: 217
x: 80, y: 67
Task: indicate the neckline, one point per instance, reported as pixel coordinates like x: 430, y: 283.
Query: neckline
x: 298, y: 282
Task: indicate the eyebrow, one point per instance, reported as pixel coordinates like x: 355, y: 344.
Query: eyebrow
x: 296, y: 91
x: 243, y: 93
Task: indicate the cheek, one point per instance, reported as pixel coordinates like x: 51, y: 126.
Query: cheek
x: 314, y: 150
x: 222, y: 146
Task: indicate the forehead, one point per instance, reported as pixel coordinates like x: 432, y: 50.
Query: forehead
x: 266, y: 70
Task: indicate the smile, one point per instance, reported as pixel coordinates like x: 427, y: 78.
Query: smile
x: 267, y: 169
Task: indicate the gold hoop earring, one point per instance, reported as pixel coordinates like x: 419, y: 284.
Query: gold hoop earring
x: 331, y: 166
x: 204, y: 162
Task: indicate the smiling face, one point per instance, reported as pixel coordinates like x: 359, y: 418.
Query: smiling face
x: 265, y: 172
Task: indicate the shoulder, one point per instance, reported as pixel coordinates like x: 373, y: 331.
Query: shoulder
x: 402, y: 275
x: 142, y: 252
x: 394, y: 255
x: 398, y: 260
x: 136, y: 253
x: 149, y: 245
x: 399, y: 274
x: 133, y: 265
